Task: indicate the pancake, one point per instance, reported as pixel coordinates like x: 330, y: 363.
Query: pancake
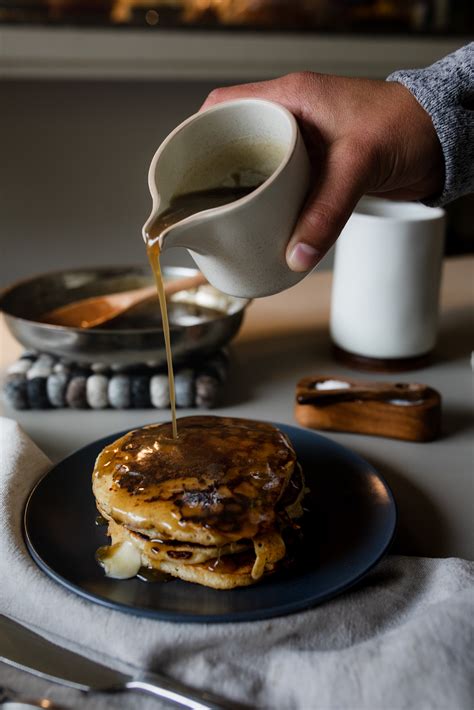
x: 218, y: 482
x: 208, y: 507
x: 233, y: 565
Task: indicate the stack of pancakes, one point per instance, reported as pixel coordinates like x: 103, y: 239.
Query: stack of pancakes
x: 210, y: 506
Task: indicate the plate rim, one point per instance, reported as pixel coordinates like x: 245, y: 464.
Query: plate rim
x: 235, y: 616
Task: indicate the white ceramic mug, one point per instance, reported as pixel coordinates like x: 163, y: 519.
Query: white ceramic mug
x: 240, y: 247
x: 386, y: 280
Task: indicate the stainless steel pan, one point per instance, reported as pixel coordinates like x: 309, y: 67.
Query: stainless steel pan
x: 201, y: 320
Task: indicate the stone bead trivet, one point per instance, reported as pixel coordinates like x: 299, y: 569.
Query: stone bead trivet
x: 41, y: 381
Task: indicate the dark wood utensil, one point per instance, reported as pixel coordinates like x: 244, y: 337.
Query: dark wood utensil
x: 396, y: 410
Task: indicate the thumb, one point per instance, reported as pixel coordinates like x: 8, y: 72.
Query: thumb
x: 339, y: 187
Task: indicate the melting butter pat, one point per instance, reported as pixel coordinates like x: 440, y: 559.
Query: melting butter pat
x: 120, y: 561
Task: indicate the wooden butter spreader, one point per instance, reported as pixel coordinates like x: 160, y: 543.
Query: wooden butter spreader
x: 397, y: 410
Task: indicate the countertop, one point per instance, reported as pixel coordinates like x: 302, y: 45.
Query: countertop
x: 284, y: 338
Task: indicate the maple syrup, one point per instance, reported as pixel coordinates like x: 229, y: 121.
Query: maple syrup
x: 182, y: 206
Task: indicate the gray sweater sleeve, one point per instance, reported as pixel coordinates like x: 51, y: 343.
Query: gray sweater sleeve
x: 446, y: 92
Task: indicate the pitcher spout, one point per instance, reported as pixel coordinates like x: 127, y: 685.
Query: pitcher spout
x: 185, y: 233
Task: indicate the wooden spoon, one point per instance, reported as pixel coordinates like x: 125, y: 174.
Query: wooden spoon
x: 96, y: 310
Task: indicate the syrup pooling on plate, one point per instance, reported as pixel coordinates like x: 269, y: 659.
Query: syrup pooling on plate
x: 182, y: 206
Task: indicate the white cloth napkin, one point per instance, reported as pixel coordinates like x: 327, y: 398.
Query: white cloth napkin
x: 404, y: 639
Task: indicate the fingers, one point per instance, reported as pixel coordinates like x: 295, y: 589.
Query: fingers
x: 343, y: 171
x: 229, y: 93
x: 283, y: 90
x: 340, y: 186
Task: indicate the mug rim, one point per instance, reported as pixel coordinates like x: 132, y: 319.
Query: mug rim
x: 408, y: 211
x: 294, y: 135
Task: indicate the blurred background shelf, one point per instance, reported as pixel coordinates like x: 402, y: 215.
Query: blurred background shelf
x: 92, y: 53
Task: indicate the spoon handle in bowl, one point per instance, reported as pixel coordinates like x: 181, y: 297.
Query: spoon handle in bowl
x: 95, y: 310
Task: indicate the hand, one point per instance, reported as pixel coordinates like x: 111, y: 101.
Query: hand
x: 363, y: 137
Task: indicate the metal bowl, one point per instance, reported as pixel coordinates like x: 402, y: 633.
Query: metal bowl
x: 201, y: 320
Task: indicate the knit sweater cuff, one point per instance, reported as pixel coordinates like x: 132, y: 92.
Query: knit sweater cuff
x: 445, y: 90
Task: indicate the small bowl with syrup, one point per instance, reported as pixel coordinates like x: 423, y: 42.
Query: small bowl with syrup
x: 201, y: 320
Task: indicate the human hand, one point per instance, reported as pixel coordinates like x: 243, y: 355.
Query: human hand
x: 363, y: 137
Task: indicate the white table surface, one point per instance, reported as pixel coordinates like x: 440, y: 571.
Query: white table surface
x: 284, y: 338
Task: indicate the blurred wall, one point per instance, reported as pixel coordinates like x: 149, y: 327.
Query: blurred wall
x: 74, y: 158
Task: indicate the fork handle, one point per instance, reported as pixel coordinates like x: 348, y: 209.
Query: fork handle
x: 176, y: 692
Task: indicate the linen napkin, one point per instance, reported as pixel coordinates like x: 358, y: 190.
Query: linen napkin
x: 401, y: 639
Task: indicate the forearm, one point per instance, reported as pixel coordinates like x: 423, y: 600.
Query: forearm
x: 446, y: 91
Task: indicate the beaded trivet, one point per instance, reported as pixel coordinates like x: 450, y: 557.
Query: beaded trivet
x: 42, y: 381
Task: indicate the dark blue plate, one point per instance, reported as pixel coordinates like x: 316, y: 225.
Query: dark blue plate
x: 348, y: 526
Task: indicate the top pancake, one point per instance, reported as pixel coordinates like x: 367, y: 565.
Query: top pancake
x: 219, y: 481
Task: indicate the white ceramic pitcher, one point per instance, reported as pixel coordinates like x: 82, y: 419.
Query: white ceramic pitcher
x: 240, y: 247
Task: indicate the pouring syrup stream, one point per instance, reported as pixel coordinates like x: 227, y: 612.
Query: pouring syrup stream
x: 153, y: 251
x: 182, y: 206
